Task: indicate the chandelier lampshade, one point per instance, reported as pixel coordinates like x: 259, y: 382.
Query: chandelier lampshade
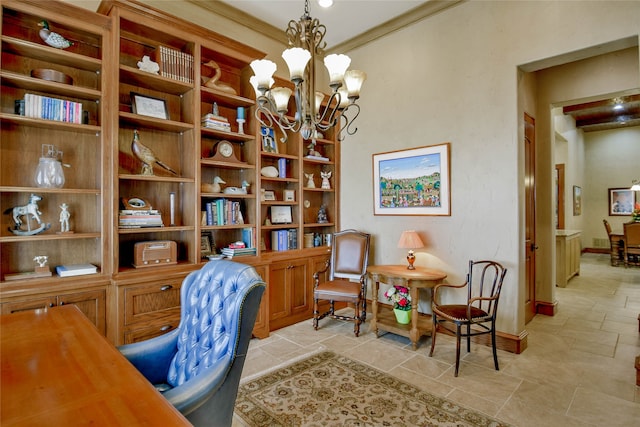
x: 312, y: 112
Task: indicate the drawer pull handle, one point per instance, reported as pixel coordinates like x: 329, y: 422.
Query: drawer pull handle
x: 165, y: 328
x: 166, y: 287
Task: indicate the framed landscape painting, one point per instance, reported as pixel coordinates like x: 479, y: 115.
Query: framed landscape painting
x: 413, y: 182
x: 621, y: 201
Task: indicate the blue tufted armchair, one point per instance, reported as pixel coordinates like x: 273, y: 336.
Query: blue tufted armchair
x: 197, y: 367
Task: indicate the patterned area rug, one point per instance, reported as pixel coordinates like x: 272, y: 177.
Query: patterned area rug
x: 327, y: 389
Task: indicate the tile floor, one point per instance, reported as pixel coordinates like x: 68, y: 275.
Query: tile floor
x: 578, y: 369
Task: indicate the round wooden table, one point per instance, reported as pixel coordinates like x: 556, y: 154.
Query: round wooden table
x: 399, y: 275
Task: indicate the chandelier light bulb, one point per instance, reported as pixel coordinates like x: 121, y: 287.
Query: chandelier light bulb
x: 344, y: 98
x: 325, y: 3
x: 296, y: 59
x: 336, y: 64
x: 281, y: 98
x: 263, y: 70
x: 353, y: 80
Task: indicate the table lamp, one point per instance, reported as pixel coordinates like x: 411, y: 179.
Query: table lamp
x: 410, y: 240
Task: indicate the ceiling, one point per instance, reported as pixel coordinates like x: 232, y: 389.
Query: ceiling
x: 345, y: 20
x: 601, y: 115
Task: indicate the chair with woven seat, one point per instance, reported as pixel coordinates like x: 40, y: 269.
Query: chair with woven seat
x: 631, y: 243
x: 197, y: 367
x: 477, y: 316
x: 616, y: 245
x: 347, y: 267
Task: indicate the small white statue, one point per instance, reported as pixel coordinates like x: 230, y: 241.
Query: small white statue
x: 64, y: 218
x: 326, y: 185
x: 148, y: 65
x: 41, y: 260
x: 310, y: 183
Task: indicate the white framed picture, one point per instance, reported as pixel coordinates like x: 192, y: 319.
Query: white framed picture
x: 289, y: 195
x: 281, y: 215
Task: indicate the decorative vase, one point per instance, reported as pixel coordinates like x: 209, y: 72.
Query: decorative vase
x: 402, y: 316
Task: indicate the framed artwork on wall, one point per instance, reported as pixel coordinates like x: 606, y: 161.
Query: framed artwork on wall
x: 413, y: 182
x: 621, y: 201
x: 577, y: 200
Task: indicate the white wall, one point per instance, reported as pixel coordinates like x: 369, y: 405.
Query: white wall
x: 453, y: 77
x: 612, y: 161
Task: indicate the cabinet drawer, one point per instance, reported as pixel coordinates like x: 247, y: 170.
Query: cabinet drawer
x: 147, y: 302
x: 132, y: 335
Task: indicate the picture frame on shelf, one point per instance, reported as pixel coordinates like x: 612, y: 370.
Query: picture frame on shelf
x: 281, y: 215
x: 269, y: 195
x: 268, y: 140
x: 289, y: 195
x: 205, y: 244
x: 413, y: 182
x: 621, y: 201
x: 145, y: 105
x: 577, y: 200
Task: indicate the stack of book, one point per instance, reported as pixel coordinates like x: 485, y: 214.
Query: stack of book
x: 212, y: 121
x: 44, y: 107
x: 223, y: 212
x: 230, y: 253
x: 283, y: 240
x: 139, y: 218
x: 175, y: 64
x: 76, y: 270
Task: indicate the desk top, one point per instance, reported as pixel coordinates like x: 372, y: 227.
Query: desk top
x: 57, y: 369
x: 403, y: 273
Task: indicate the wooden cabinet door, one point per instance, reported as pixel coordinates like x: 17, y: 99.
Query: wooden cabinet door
x: 301, y: 288
x: 151, y: 301
x: 279, y: 298
x: 91, y: 303
x: 150, y: 330
x: 261, y: 327
x: 28, y: 304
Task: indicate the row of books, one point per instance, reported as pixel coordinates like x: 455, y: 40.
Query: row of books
x: 223, y: 212
x: 284, y: 240
x: 128, y: 218
x: 175, y: 64
x: 44, y: 107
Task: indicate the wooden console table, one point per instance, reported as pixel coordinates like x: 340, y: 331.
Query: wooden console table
x: 57, y: 369
x: 399, y: 275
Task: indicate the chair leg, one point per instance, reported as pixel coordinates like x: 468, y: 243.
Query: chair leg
x: 434, y: 327
x: 356, y: 327
x: 468, y: 338
x: 493, y: 344
x: 316, y: 314
x: 457, y: 349
x: 364, y: 310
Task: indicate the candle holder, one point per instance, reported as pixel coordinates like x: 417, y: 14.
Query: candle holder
x: 240, y: 125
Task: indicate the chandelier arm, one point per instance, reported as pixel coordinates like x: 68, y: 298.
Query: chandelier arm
x: 264, y: 115
x: 332, y: 119
x: 348, y: 126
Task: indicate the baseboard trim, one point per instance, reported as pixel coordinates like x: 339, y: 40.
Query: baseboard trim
x: 547, y: 308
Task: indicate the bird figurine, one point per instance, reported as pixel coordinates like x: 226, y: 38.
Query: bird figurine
x: 51, y: 38
x: 146, y: 156
x: 212, y: 82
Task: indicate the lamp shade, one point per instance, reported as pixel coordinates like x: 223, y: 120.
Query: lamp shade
x: 635, y: 185
x: 336, y: 65
x: 410, y: 240
x: 296, y: 59
x: 353, y: 80
x: 281, y: 98
x: 263, y: 70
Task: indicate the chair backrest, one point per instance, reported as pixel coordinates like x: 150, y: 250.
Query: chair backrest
x: 212, y: 301
x: 349, y: 255
x: 485, y: 279
x: 632, y: 233
x: 607, y: 226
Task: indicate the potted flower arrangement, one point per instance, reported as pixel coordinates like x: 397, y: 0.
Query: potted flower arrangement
x: 635, y: 215
x: 401, y: 299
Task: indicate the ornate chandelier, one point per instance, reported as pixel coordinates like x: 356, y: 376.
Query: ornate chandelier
x: 312, y: 114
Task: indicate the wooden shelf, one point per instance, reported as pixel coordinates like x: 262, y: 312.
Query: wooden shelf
x: 54, y: 56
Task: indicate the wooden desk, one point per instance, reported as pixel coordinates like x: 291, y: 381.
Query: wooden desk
x: 57, y: 369
x: 399, y: 275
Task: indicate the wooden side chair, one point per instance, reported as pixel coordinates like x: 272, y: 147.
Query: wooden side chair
x: 347, y: 268
x: 477, y: 315
x: 616, y: 245
x: 631, y: 243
